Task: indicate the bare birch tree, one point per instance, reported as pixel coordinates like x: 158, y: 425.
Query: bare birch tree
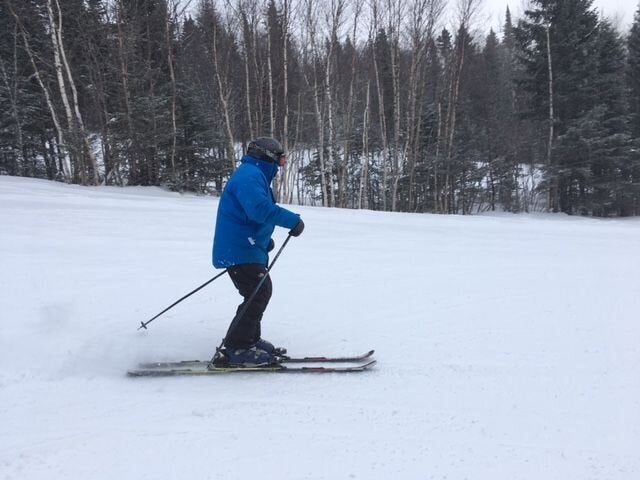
x: 285, y: 183
x: 62, y: 89
x: 466, y: 11
x: 552, y: 196
x: 395, y: 15
x: 375, y: 12
x: 272, y: 112
x: 66, y: 167
x: 170, y: 19
x: 64, y: 76
x: 248, y: 15
x: 421, y: 24
x: 223, y: 85
x: 357, y: 7
x: 334, y: 20
x: 132, y: 155
x: 311, y: 51
x: 363, y: 190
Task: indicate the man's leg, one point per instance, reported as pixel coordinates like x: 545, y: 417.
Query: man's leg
x: 246, y: 330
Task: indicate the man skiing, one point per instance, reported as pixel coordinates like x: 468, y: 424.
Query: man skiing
x: 247, y: 216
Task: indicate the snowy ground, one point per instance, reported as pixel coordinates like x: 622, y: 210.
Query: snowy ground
x: 508, y: 346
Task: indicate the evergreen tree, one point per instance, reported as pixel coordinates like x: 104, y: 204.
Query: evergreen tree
x: 13, y: 152
x: 486, y: 101
x: 468, y: 135
x: 558, y: 40
x: 633, y: 79
x: 611, y: 154
x: 511, y: 125
x: 633, y: 74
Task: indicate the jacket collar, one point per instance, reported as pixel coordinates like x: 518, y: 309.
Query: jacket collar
x: 269, y: 169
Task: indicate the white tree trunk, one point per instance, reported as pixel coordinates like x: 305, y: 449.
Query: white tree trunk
x: 272, y: 119
x: 363, y: 194
x: 172, y: 76
x: 223, y: 95
x: 381, y: 113
x: 395, y: 17
x: 67, y: 173
x: 466, y: 10
x: 337, y: 7
x: 285, y: 185
x: 76, y: 104
x: 133, y: 159
x: 58, y: 68
x: 311, y: 19
x: 552, y: 191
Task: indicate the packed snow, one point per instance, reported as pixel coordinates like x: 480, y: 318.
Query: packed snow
x: 508, y: 346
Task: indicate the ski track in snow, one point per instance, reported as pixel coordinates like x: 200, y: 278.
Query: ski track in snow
x: 508, y: 346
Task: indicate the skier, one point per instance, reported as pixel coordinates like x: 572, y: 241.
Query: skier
x: 247, y: 216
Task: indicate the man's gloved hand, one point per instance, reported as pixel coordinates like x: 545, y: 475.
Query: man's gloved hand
x: 297, y: 230
x: 272, y: 245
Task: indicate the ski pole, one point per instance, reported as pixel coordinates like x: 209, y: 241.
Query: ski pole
x: 255, y: 292
x: 144, y: 324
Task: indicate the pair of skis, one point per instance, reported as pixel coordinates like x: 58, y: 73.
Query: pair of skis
x: 286, y: 364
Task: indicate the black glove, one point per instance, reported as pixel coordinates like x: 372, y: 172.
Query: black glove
x: 297, y: 230
x: 272, y: 245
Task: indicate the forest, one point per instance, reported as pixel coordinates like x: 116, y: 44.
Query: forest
x: 381, y: 104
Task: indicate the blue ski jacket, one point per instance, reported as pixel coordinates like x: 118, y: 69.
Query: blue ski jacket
x: 247, y: 215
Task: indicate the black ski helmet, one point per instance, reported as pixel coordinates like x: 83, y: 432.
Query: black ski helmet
x: 266, y: 148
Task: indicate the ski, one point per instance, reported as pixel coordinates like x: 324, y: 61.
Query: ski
x: 201, y: 369
x: 325, y: 359
x: 281, y: 359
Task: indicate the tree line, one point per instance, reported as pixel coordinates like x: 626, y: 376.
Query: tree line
x: 379, y: 105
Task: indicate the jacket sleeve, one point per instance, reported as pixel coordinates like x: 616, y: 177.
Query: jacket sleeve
x: 255, y: 198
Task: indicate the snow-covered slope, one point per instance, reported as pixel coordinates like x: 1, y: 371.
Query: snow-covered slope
x: 508, y: 346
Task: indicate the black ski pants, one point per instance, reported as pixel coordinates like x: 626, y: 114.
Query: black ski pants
x: 245, y: 331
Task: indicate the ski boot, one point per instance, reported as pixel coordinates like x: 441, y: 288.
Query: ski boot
x: 242, y: 357
x: 268, y: 347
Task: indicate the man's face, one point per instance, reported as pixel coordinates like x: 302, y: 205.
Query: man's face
x: 282, y: 160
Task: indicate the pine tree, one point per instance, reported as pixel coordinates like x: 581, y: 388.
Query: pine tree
x: 611, y: 153
x: 633, y: 82
x: 558, y: 41
x: 425, y: 177
x: 633, y: 73
x: 486, y: 114
x: 12, y: 129
x: 511, y: 125
x: 466, y: 142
